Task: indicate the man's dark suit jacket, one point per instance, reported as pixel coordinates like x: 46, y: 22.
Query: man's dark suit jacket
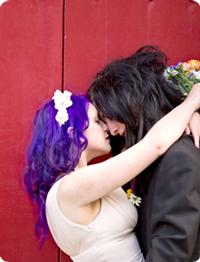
x: 169, y: 217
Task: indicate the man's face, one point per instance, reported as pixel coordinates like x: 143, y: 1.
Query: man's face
x: 115, y: 127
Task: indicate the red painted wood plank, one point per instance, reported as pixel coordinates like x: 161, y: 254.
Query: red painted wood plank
x: 174, y: 25
x: 85, y: 41
x: 100, y: 30
x: 31, y: 67
x: 64, y: 257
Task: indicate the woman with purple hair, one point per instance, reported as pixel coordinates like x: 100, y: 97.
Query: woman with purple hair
x: 84, y: 207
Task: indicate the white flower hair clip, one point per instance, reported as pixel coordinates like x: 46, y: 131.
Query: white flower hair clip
x: 62, y: 102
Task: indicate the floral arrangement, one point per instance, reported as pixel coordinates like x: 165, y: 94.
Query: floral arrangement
x: 184, y: 74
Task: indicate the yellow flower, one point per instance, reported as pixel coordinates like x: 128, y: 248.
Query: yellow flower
x: 129, y: 192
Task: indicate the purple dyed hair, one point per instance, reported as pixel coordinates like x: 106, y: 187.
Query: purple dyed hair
x: 53, y: 150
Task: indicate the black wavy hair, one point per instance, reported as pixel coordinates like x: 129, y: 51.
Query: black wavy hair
x: 133, y: 91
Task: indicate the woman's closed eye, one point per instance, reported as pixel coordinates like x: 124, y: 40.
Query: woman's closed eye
x: 100, y: 122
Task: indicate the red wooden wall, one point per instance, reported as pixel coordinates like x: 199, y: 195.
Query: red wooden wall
x: 48, y: 44
x: 30, y: 69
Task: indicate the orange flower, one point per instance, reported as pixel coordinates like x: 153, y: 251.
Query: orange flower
x: 194, y: 64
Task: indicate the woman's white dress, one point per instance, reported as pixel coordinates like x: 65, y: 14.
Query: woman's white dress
x: 109, y: 238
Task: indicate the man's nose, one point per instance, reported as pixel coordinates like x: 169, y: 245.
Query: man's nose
x: 113, y: 130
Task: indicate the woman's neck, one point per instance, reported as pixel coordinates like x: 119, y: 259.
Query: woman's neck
x: 82, y: 162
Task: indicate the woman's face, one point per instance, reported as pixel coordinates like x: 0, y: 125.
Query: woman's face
x: 97, y: 135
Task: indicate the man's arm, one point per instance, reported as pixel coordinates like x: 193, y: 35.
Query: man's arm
x: 176, y: 206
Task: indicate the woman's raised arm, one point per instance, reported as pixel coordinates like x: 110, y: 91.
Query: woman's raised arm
x: 92, y: 182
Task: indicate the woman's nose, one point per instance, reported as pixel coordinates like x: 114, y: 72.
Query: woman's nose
x: 105, y: 127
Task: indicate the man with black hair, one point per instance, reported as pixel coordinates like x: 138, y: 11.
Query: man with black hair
x: 131, y: 95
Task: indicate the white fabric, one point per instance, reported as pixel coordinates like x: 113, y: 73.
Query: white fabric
x: 108, y: 238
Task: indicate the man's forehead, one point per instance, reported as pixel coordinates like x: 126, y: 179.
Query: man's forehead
x: 101, y: 115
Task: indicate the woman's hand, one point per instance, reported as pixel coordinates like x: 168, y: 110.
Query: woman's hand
x: 194, y: 128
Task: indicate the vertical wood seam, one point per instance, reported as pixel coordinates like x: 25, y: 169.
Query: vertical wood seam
x: 63, y: 44
x: 62, y: 73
